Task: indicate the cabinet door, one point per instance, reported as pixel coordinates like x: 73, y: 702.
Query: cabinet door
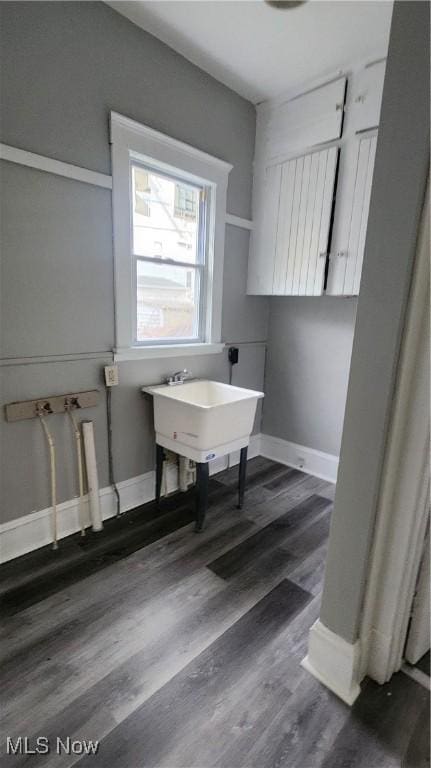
x: 304, y: 217
x: 360, y: 214
x: 346, y: 262
x: 300, y: 123
x: 264, y: 235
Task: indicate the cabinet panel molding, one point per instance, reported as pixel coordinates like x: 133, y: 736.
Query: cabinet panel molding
x: 288, y: 175
x: 293, y: 228
x: 308, y: 224
x: 304, y: 194
x: 312, y: 283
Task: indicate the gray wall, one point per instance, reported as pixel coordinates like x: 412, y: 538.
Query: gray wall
x: 402, y: 163
x: 65, y: 66
x: 307, y: 370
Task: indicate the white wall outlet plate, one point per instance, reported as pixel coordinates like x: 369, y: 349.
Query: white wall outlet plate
x: 111, y: 375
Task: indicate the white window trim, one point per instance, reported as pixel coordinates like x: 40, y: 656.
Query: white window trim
x: 128, y: 136
x: 168, y: 350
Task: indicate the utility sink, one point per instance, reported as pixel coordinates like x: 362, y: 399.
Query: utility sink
x: 203, y: 419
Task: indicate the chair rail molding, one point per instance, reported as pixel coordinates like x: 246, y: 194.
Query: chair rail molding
x: 78, y: 173
x: 57, y: 167
x: 238, y: 221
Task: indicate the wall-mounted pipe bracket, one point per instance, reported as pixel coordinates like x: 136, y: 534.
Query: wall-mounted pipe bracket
x: 30, y: 409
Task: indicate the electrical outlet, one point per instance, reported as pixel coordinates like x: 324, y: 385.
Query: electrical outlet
x: 111, y: 375
x: 300, y: 461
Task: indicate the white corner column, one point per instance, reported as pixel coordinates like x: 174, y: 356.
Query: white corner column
x: 339, y: 653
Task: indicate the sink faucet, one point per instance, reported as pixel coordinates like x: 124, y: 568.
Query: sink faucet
x: 179, y: 377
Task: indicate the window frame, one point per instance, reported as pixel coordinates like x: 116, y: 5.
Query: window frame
x: 134, y: 142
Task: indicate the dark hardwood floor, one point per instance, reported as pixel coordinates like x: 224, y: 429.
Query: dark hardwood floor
x: 183, y: 650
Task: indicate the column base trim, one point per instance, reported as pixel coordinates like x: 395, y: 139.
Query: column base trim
x: 334, y: 662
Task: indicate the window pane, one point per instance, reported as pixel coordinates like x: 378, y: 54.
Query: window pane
x: 165, y: 217
x: 142, y: 191
x: 167, y: 302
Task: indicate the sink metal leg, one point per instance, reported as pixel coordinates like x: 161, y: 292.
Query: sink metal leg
x: 160, y: 455
x: 242, y: 476
x: 202, y: 474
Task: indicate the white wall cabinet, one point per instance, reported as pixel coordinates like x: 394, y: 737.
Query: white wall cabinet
x: 294, y: 192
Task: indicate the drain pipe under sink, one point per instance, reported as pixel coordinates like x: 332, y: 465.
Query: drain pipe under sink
x: 92, y: 476
x: 78, y: 443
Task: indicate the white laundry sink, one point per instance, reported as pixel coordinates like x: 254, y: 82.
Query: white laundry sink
x: 203, y: 419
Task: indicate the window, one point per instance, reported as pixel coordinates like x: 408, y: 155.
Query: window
x: 169, y: 209
x: 169, y: 257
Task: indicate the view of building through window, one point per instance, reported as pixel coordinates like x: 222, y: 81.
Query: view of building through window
x: 169, y: 262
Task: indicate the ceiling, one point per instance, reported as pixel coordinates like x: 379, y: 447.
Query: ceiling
x: 263, y: 52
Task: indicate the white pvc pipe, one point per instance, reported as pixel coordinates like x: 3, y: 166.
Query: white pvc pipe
x: 78, y: 444
x: 92, y: 477
x: 51, y: 446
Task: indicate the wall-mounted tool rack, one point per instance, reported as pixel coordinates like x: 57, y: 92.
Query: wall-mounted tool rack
x: 31, y: 409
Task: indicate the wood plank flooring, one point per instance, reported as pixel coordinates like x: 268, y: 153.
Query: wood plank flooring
x: 178, y: 650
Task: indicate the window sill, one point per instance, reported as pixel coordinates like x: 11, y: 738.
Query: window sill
x: 169, y: 350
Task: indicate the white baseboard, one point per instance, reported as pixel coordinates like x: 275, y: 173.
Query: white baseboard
x: 309, y: 460
x: 334, y: 662
x: 417, y: 675
x: 32, y: 531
